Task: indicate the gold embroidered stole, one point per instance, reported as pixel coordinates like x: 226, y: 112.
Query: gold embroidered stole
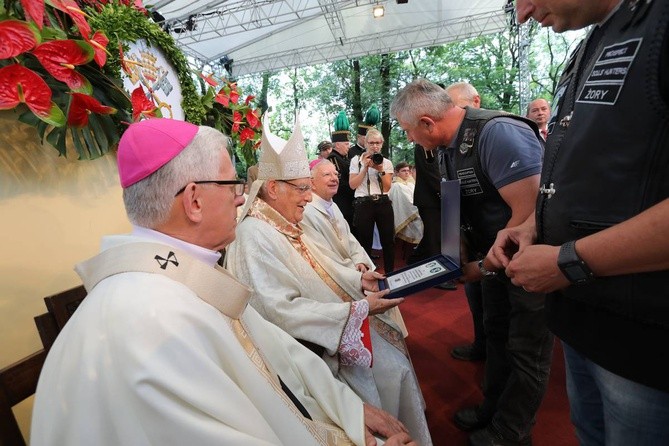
x: 262, y: 211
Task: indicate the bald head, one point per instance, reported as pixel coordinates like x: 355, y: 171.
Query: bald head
x: 539, y: 111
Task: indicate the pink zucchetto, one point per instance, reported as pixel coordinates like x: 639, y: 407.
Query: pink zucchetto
x: 148, y: 145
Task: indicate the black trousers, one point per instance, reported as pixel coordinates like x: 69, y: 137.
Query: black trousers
x: 474, y: 295
x: 519, y: 347
x: 367, y: 213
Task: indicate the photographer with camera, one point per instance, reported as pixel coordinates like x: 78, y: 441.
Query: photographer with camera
x: 371, y: 176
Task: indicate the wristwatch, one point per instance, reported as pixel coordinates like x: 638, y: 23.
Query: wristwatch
x: 572, y: 266
x: 382, y: 173
x: 485, y: 272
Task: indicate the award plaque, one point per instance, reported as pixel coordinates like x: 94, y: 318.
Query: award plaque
x: 437, y: 269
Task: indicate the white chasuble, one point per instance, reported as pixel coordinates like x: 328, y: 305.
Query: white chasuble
x: 161, y: 358
x: 291, y: 294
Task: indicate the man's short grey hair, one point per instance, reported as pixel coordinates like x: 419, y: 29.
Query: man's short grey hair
x: 466, y: 90
x: 420, y: 98
x: 148, y: 202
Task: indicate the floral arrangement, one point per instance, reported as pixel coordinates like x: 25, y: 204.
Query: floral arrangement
x: 61, y: 66
x: 227, y: 113
x: 49, y: 57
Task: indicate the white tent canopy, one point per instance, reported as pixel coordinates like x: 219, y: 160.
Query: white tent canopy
x: 267, y: 35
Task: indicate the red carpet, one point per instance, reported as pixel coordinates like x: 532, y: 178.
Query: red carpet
x: 439, y: 320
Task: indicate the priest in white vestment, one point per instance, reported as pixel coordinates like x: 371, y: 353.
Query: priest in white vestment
x: 323, y: 220
x: 164, y: 349
x: 408, y: 224
x: 327, y: 229
x: 301, y: 288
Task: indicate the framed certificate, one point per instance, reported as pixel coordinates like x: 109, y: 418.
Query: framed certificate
x: 419, y: 276
x: 437, y: 269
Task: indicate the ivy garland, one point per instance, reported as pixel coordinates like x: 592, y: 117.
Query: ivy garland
x: 123, y: 24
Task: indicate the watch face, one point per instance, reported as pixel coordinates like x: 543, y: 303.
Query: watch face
x: 574, y: 272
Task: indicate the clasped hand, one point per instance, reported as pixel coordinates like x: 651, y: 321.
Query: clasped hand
x: 381, y: 423
x: 533, y: 267
x: 377, y: 303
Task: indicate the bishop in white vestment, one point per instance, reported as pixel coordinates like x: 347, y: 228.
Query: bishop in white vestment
x: 313, y: 297
x: 164, y: 350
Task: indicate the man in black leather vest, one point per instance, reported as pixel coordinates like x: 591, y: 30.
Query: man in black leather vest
x: 602, y: 218
x: 497, y: 157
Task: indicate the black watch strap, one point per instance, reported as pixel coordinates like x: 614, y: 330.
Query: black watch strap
x: 572, y: 266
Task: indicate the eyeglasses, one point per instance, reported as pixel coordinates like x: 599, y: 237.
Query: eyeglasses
x: 302, y: 189
x: 238, y: 185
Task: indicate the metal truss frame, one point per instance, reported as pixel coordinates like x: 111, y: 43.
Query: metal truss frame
x: 418, y: 37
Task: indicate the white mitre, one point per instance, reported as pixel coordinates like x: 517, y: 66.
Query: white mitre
x: 279, y: 160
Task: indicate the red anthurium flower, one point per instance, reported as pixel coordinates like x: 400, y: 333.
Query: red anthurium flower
x: 71, y: 8
x: 99, y: 43
x: 222, y: 98
x: 34, y: 10
x: 234, y: 96
x: 141, y: 105
x: 83, y: 105
x: 252, y: 119
x: 17, y: 37
x: 19, y: 84
x: 249, y: 98
x: 59, y: 58
x: 236, y: 121
x: 245, y: 134
x: 209, y: 79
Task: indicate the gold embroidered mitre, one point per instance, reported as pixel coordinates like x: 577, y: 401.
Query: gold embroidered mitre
x: 280, y: 159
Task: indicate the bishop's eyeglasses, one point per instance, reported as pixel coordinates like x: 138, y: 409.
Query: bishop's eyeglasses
x: 238, y: 186
x: 301, y: 189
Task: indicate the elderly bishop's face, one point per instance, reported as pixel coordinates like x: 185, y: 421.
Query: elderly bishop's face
x: 291, y: 198
x: 325, y: 180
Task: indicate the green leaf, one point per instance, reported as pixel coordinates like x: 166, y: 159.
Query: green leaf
x: 78, y: 145
x: 91, y: 145
x: 57, y: 138
x: 41, y: 129
x: 99, y: 133
x: 29, y: 118
x: 55, y: 117
x: 51, y: 33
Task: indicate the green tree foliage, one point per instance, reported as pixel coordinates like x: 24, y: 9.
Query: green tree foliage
x: 490, y: 63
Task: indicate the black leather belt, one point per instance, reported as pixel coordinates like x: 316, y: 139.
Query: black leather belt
x: 372, y: 198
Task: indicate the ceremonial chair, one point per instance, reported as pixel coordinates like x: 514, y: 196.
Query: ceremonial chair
x: 18, y: 381
x: 61, y: 307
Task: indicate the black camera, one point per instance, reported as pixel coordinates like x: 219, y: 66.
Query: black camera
x: 377, y: 158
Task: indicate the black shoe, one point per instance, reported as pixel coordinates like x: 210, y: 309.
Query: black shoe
x: 469, y: 352
x: 469, y: 419
x: 491, y: 437
x: 450, y: 286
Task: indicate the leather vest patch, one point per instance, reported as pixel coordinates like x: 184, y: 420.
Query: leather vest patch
x: 607, y: 77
